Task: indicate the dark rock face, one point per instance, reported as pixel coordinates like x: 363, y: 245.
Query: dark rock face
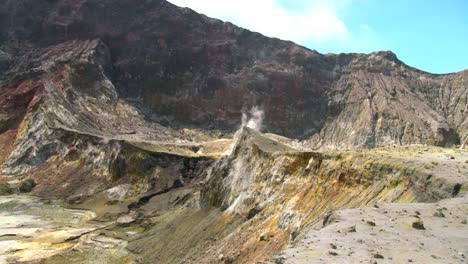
x: 27, y: 185
x: 141, y: 69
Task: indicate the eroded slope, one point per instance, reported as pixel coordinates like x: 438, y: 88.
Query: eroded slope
x: 180, y: 69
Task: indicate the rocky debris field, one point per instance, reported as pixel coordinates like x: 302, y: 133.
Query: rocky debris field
x: 386, y: 233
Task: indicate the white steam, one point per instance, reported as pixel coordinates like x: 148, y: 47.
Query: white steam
x: 253, y: 119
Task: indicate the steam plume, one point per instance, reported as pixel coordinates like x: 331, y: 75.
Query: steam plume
x: 253, y: 119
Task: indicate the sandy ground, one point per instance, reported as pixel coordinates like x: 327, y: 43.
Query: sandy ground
x: 387, y: 233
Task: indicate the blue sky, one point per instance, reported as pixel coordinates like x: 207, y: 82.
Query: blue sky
x: 431, y: 35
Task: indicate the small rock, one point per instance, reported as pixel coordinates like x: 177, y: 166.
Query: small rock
x: 27, y: 185
x: 378, y: 256
x: 370, y: 223
x: 351, y: 229
x: 280, y: 260
x: 332, y: 245
x: 333, y: 253
x: 439, y: 214
x: 127, y: 219
x: 418, y: 225
x: 227, y: 260
x: 75, y: 199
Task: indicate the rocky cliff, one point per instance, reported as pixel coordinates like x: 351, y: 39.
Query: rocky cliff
x: 151, y: 116
x: 180, y: 69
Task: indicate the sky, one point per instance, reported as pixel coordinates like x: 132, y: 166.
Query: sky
x: 431, y: 35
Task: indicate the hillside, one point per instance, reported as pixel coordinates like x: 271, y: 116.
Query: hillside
x: 172, y: 137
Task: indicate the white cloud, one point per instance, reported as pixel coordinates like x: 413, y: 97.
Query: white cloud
x: 315, y: 22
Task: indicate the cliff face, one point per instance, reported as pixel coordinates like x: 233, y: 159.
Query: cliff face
x: 181, y: 69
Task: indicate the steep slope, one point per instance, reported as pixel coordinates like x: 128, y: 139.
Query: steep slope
x: 181, y: 69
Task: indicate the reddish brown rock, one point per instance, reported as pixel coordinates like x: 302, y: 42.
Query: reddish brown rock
x: 183, y: 69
